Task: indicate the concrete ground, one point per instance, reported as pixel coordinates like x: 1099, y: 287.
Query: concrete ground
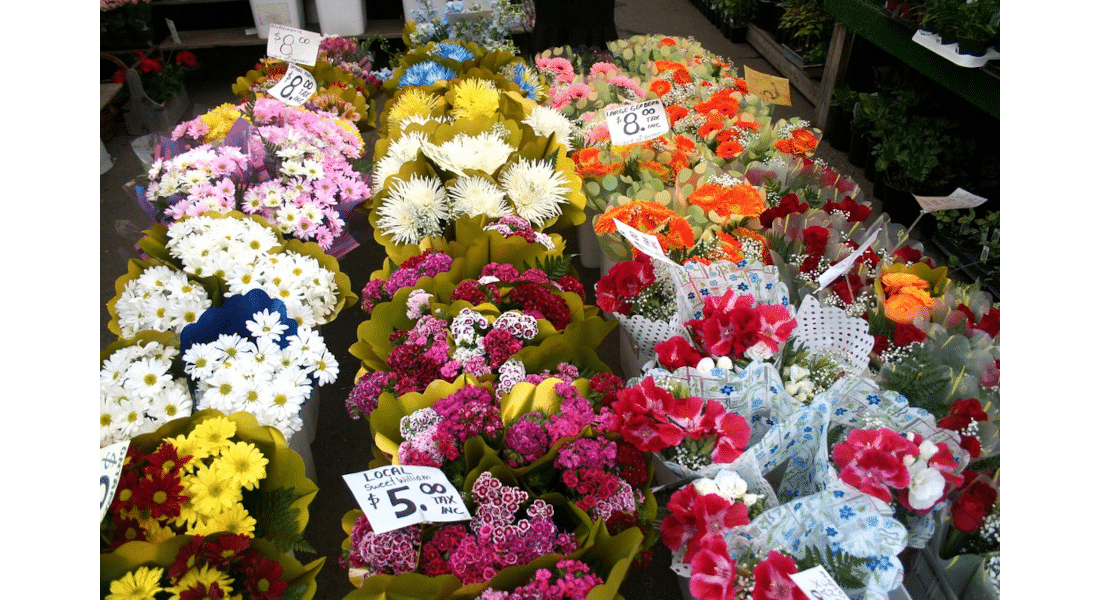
x: 342, y: 445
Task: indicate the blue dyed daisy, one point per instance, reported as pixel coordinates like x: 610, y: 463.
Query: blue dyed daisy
x: 526, y: 78
x: 453, y: 52
x: 426, y: 73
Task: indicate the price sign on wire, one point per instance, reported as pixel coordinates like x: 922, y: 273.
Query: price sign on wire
x: 110, y: 469
x: 959, y: 198
x: 818, y: 584
x: 401, y: 495
x: 842, y: 266
x: 772, y: 89
x: 296, y: 86
x: 293, y: 45
x: 636, y: 122
x: 646, y: 243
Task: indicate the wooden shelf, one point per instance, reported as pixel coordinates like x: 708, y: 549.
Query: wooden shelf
x: 774, y: 53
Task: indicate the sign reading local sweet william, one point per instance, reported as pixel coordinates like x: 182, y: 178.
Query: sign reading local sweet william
x: 636, y: 122
x: 110, y: 468
x: 293, y: 45
x: 818, y: 584
x: 400, y: 495
x: 296, y: 86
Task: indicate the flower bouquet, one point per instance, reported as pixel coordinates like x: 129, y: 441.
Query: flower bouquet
x: 139, y: 389
x: 293, y: 167
x: 208, y: 502
x: 511, y: 549
x: 500, y: 320
x: 232, y: 253
x: 341, y: 92
x: 493, y: 32
x: 556, y: 434
x: 484, y: 156
x: 210, y: 566
x: 248, y: 356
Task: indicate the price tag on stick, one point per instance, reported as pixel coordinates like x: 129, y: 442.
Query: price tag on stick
x: 293, y: 45
x: 110, y: 469
x: 842, y: 266
x: 959, y: 198
x: 772, y: 89
x: 636, y: 122
x: 296, y: 86
x: 646, y: 243
x: 397, y: 496
x: 818, y: 584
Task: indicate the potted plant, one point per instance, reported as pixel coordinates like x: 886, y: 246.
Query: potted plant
x: 736, y: 16
x: 805, y: 30
x: 973, y: 24
x: 158, y: 97
x: 125, y: 24
x: 918, y: 155
x: 970, y: 241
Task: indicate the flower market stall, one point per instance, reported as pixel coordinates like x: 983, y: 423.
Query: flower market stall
x: 804, y: 402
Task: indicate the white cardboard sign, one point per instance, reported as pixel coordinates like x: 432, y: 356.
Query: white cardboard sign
x: 818, y: 584
x: 296, y: 86
x: 646, y: 243
x: 400, y: 495
x: 293, y: 45
x: 959, y: 198
x: 110, y: 469
x: 637, y: 122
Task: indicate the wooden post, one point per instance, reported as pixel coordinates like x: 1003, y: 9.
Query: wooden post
x: 840, y: 49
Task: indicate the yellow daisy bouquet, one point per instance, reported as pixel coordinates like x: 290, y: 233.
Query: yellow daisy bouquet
x: 208, y: 501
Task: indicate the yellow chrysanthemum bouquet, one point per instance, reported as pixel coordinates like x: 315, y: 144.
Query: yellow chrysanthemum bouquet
x: 469, y: 144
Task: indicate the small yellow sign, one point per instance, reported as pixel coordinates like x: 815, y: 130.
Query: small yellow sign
x: 774, y: 90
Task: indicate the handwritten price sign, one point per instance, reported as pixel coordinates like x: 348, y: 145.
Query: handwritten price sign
x: 110, y: 468
x: 296, y: 86
x: 293, y: 45
x: 645, y: 243
x: 818, y: 584
x: 637, y: 122
x: 959, y: 198
x: 398, y: 496
x: 772, y: 89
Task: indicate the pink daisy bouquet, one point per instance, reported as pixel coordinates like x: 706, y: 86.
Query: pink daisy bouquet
x: 293, y: 167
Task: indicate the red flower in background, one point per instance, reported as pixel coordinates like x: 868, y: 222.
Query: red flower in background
x: 787, y: 205
x: 187, y: 59
x: 962, y: 414
x: 149, y: 65
x: 973, y: 504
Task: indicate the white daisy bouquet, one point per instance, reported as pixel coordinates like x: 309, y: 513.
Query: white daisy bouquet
x: 232, y: 254
x: 294, y: 167
x: 248, y: 356
x: 155, y: 297
x: 490, y: 153
x: 139, y: 387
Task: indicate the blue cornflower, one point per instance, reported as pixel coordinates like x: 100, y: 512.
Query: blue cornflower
x: 453, y: 52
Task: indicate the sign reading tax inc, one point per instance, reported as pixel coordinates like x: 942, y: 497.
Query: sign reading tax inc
x: 636, y: 122
x: 400, y: 495
x: 296, y: 86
